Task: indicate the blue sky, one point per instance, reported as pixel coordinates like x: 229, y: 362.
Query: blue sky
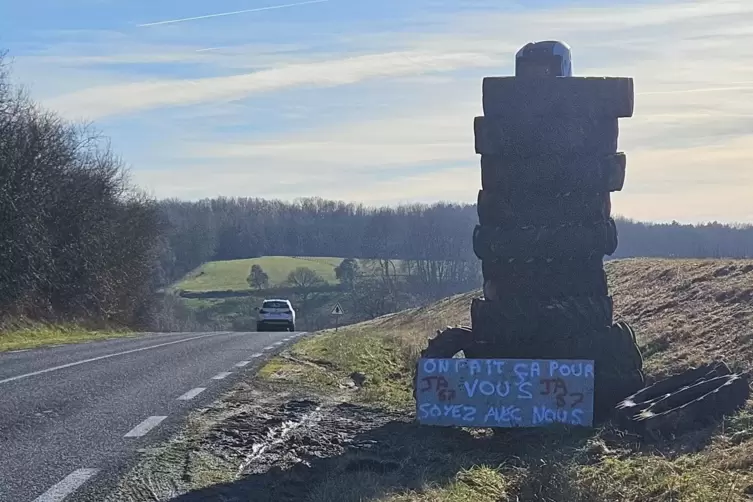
x: 373, y: 101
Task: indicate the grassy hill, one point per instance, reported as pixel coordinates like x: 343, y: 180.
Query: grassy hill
x: 684, y: 311
x: 230, y: 275
x: 218, y: 296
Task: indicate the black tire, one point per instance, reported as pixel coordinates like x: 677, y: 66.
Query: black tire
x: 612, y: 240
x: 695, y: 405
x: 522, y: 209
x: 446, y: 344
x: 540, y: 137
x: 526, y: 319
x: 626, y: 347
x: 610, y: 97
x: 619, y: 368
x: 260, y: 327
x: 543, y: 242
x: 291, y: 327
x: 555, y: 174
x: 636, y: 402
x: 545, y: 278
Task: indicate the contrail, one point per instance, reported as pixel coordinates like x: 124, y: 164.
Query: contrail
x: 258, y: 9
x: 736, y: 86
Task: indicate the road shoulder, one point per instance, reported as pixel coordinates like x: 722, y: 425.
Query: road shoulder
x: 331, y: 419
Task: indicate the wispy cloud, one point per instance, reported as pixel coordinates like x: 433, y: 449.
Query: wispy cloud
x: 96, y: 102
x: 377, y: 104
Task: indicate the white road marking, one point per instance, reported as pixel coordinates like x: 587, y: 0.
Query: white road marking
x: 67, y: 485
x: 222, y: 375
x: 63, y: 366
x: 144, y: 427
x: 276, y: 344
x: 241, y: 364
x: 268, y: 348
x: 258, y: 354
x: 192, y: 393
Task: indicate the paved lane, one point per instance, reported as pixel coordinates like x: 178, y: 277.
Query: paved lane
x: 72, y: 417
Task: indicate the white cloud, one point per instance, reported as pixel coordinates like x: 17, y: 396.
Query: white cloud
x: 117, y: 99
x: 687, y: 144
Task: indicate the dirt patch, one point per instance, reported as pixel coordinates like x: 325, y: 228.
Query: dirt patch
x: 273, y: 442
x: 268, y: 442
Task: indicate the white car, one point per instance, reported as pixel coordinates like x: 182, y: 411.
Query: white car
x: 275, y: 314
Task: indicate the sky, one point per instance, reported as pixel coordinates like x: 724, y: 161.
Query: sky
x: 373, y: 101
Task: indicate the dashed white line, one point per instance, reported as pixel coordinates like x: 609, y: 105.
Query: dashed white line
x: 265, y: 348
x: 192, y: 393
x: 145, y: 426
x: 276, y: 344
x: 67, y: 485
x: 241, y: 364
x: 220, y: 376
x: 258, y: 354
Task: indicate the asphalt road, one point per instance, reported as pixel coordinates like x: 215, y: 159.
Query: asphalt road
x: 73, y: 417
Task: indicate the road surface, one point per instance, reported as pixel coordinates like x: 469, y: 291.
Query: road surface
x: 72, y: 417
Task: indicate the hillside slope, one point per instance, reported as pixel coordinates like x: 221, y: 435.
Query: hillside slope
x: 346, y: 399
x: 230, y: 275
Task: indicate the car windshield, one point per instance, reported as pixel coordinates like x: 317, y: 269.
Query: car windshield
x: 274, y: 305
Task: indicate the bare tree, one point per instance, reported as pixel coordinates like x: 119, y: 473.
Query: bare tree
x: 305, y: 278
x: 77, y: 241
x: 346, y: 272
x: 257, y: 277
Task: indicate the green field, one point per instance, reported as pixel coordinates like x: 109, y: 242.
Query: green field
x: 231, y: 275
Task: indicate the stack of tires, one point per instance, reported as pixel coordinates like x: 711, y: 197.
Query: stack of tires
x: 549, y: 162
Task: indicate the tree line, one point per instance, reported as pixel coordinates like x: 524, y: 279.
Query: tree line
x: 435, y: 239
x: 79, y: 241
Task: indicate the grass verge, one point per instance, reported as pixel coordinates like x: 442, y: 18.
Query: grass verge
x: 685, y: 312
x: 34, y: 335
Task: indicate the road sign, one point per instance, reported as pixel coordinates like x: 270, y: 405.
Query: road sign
x: 504, y: 392
x: 338, y: 310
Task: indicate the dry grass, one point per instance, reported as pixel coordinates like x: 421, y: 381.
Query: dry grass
x: 685, y: 312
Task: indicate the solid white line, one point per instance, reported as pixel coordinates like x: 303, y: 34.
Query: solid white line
x: 144, y: 427
x: 242, y: 364
x: 192, y: 393
x: 258, y: 354
x: 220, y: 376
x: 67, y: 485
x: 63, y: 366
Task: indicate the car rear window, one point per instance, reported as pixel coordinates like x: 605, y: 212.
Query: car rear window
x: 274, y: 305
